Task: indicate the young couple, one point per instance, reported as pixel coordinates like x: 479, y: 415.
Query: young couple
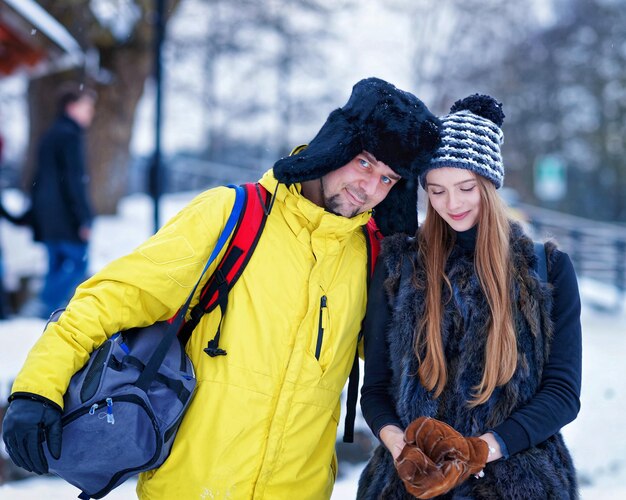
x: 472, y: 359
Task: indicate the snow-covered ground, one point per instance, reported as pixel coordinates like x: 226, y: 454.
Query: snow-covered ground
x: 597, y: 438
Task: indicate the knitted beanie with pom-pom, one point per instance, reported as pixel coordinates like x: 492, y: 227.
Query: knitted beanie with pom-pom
x: 471, y: 138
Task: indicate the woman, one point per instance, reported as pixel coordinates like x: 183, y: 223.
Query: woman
x: 460, y: 328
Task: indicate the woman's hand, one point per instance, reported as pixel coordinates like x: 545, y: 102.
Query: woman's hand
x: 393, y: 438
x: 494, y: 447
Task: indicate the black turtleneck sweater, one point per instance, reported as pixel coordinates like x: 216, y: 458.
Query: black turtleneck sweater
x: 556, y: 403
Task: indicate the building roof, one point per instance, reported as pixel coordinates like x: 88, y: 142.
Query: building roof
x: 32, y: 40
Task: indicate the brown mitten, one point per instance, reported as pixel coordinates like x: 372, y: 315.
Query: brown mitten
x: 455, y: 457
x: 423, y: 478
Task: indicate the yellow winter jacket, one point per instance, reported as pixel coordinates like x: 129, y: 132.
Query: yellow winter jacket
x: 264, y: 418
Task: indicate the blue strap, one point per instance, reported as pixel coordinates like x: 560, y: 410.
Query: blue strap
x: 240, y: 196
x: 155, y: 361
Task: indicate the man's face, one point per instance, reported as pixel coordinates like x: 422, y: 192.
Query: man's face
x: 358, y: 186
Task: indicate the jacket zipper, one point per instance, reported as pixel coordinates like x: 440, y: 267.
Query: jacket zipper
x: 320, y: 328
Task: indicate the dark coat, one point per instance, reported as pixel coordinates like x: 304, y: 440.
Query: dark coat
x: 544, y: 471
x: 60, y: 203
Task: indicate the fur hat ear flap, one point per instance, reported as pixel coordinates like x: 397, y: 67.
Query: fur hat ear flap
x: 397, y: 213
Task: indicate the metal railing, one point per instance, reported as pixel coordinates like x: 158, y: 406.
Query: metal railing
x: 597, y: 249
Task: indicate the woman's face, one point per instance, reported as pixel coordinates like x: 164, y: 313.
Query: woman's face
x: 455, y: 196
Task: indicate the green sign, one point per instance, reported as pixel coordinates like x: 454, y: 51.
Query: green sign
x: 550, y: 179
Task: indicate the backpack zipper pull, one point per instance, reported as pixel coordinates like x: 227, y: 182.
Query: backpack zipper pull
x: 110, y: 416
x: 93, y: 408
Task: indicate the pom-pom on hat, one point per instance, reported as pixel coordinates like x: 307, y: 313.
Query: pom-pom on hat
x: 471, y: 138
x: 391, y: 124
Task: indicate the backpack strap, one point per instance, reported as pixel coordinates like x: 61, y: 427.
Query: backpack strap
x: 240, y: 248
x: 373, y: 236
x: 542, y: 264
x: 175, y: 323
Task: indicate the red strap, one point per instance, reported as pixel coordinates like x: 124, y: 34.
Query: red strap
x: 373, y: 237
x: 238, y: 252
x: 242, y: 243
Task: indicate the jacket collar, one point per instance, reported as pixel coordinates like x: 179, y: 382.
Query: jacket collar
x: 68, y: 120
x: 301, y: 213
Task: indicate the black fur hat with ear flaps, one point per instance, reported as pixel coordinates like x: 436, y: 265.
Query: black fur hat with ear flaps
x: 393, y: 125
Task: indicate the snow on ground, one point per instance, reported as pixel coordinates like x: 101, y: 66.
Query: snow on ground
x: 596, y: 438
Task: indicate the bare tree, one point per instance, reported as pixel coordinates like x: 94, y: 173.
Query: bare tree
x: 264, y: 67
x: 458, y: 44
x: 562, y: 83
x: 302, y: 30
x: 122, y: 45
x: 564, y: 89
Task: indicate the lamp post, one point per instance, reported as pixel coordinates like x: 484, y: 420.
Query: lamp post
x: 156, y: 167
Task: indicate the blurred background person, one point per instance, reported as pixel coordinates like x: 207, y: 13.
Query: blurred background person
x: 61, y: 209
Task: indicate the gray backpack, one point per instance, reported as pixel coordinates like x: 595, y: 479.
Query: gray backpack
x: 113, y: 425
x: 123, y: 408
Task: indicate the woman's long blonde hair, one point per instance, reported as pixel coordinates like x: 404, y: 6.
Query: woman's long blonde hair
x: 494, y: 271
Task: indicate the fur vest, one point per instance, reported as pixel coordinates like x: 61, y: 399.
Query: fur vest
x: 544, y: 471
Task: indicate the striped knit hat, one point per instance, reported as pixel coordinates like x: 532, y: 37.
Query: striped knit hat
x: 471, y: 139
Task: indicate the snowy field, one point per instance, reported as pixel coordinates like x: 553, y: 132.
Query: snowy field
x: 597, y: 438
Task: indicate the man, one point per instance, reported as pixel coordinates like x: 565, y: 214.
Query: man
x: 61, y: 211
x: 264, y: 417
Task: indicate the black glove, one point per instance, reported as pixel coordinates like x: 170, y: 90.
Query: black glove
x: 28, y: 422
